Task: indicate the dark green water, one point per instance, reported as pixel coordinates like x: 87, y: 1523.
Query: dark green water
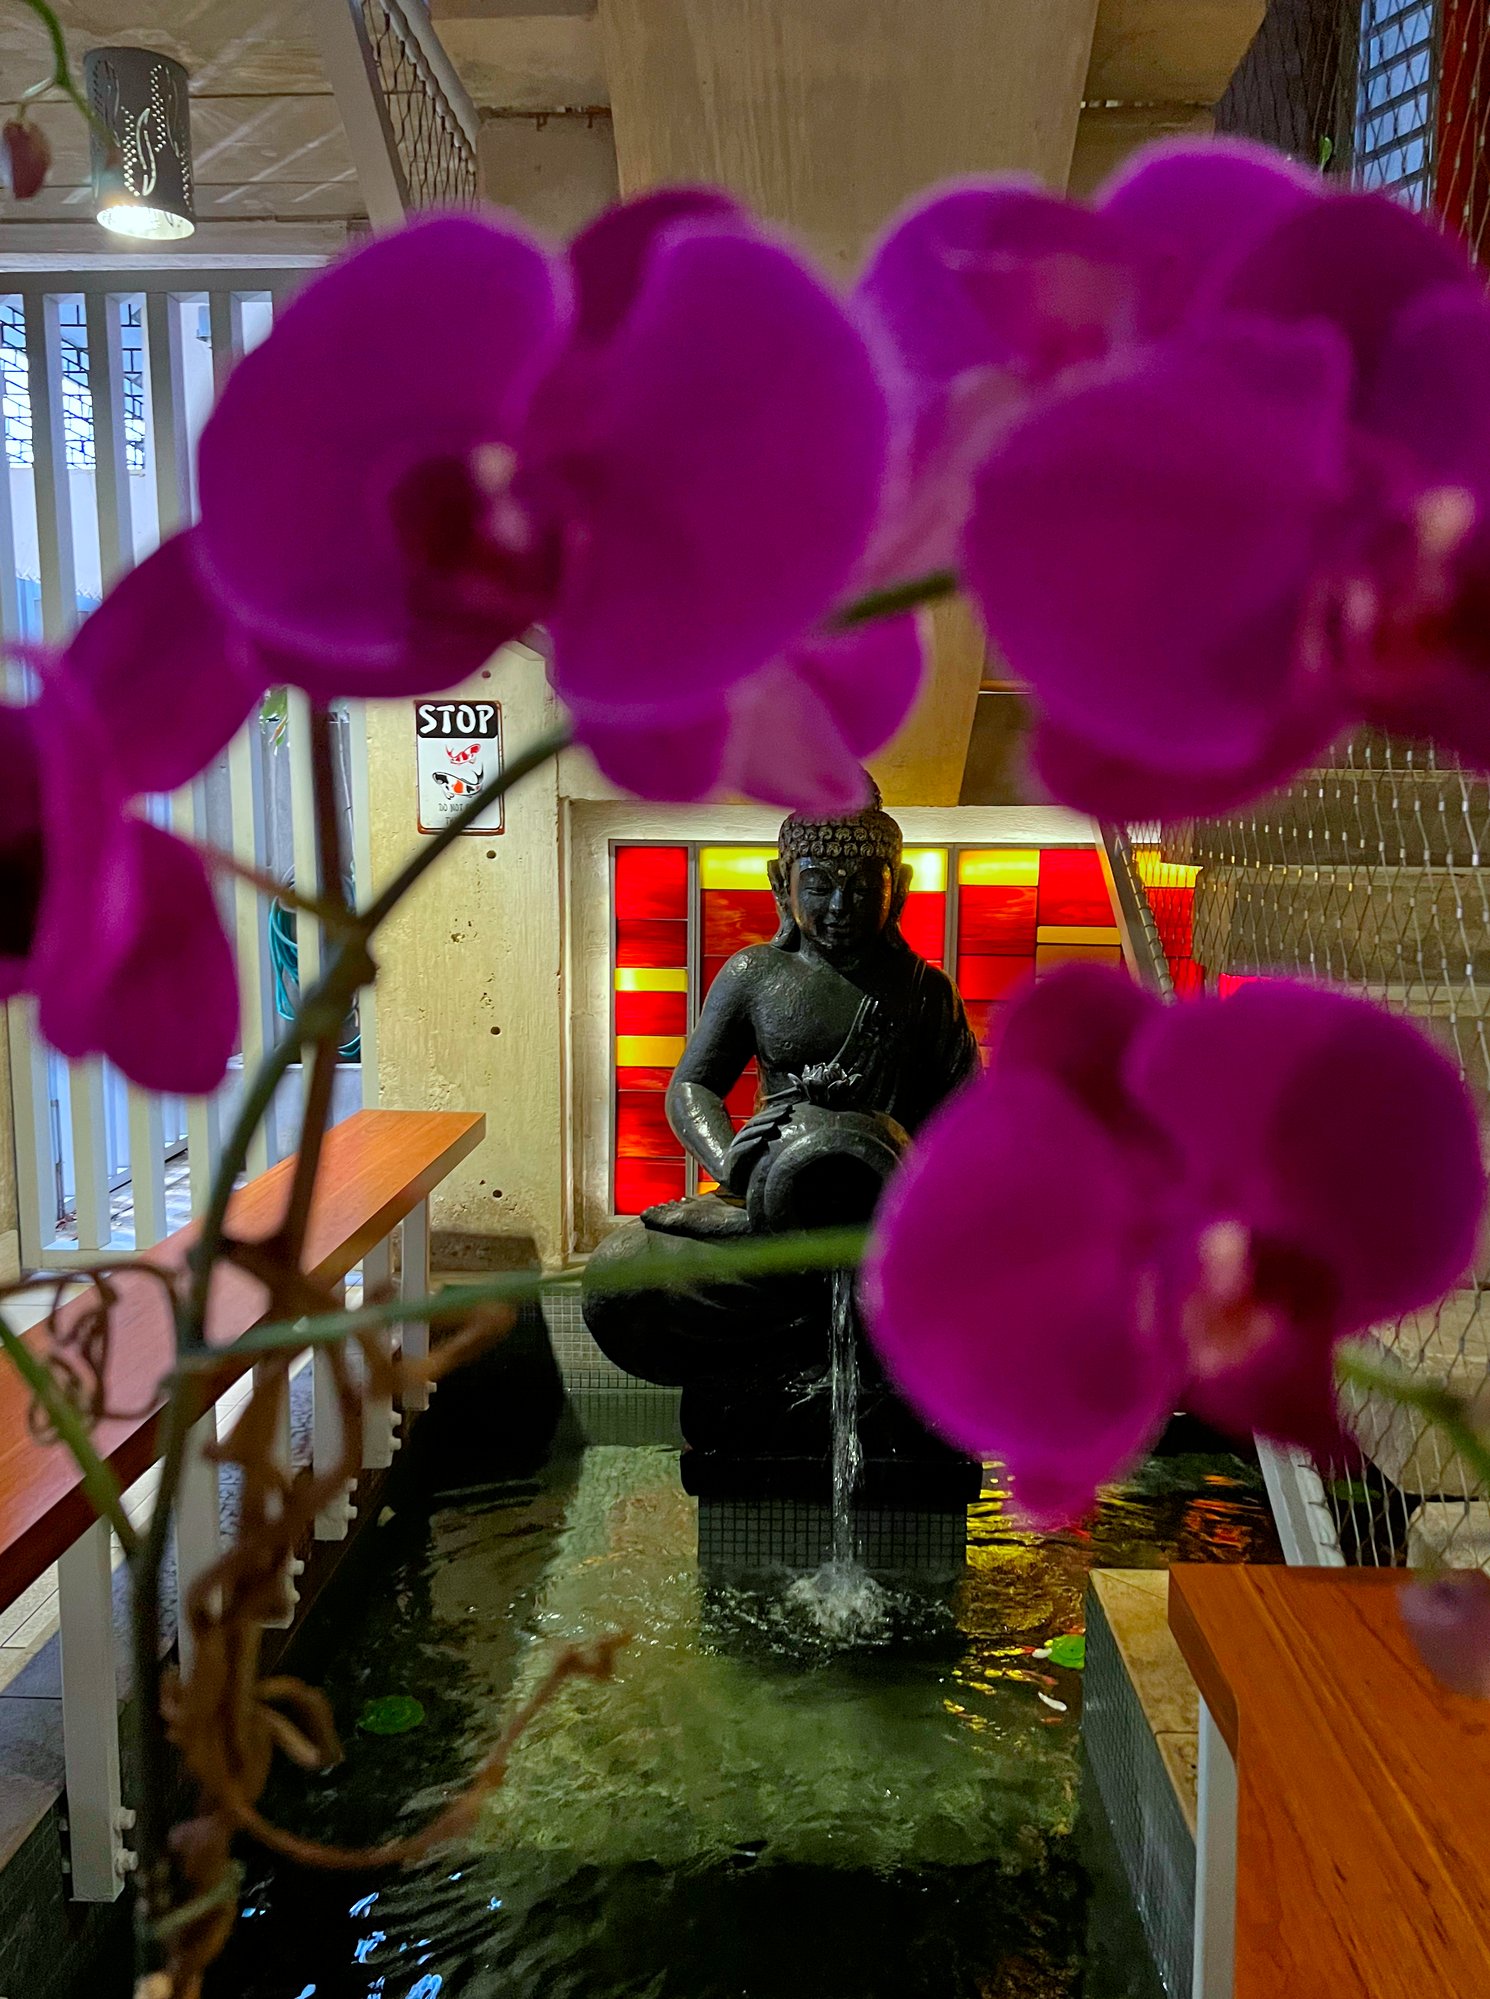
x: 748, y: 1809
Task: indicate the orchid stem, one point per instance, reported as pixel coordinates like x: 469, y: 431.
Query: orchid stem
x: 62, y: 77
x: 716, y: 1263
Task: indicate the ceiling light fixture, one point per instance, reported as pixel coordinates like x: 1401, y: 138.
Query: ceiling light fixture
x: 142, y: 183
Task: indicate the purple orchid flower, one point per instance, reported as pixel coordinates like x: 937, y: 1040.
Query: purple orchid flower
x: 110, y: 921
x: 668, y: 449
x: 1216, y: 449
x: 1448, y: 1620
x: 1141, y: 1205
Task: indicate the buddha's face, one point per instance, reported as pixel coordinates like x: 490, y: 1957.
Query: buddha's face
x: 841, y: 907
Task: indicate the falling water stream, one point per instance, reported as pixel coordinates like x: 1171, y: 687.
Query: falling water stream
x: 848, y: 1454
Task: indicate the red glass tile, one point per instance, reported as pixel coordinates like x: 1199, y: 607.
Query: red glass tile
x: 734, y: 918
x: 651, y: 940
x: 996, y: 917
x: 988, y: 976
x: 642, y: 1129
x: 924, y: 924
x: 651, y: 1013
x: 712, y: 968
x: 651, y: 882
x: 639, y: 1078
x: 1073, y: 889
x: 641, y: 1182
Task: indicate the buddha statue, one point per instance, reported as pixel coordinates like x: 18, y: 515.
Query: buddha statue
x: 856, y: 1039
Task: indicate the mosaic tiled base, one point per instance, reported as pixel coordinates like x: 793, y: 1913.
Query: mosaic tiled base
x: 759, y: 1536
x: 612, y: 1406
x: 1149, y: 1825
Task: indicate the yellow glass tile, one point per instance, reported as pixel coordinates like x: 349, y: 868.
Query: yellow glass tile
x: 648, y: 1051
x: 999, y: 867
x: 1077, y: 933
x: 651, y: 978
x: 1156, y: 873
x: 735, y: 867
x: 928, y: 866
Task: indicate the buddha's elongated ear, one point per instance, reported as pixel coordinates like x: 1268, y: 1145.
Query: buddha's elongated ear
x: 787, y: 935
x: 902, y: 888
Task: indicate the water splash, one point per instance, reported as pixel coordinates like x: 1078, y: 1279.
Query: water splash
x: 843, y: 1602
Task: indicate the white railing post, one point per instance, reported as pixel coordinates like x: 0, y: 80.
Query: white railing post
x: 1215, y: 1864
x: 197, y: 1526
x: 96, y: 1818
x: 328, y: 1446
x: 379, y: 1419
x: 413, y: 1282
x: 281, y: 1451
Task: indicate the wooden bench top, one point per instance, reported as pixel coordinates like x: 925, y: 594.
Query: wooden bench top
x: 1363, y: 1787
x: 376, y: 1167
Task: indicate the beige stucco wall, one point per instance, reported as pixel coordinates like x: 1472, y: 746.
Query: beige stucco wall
x: 469, y: 1014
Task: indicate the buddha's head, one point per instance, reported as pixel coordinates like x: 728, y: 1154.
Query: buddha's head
x: 840, y: 883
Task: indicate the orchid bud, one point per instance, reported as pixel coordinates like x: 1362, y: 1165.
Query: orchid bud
x: 28, y: 156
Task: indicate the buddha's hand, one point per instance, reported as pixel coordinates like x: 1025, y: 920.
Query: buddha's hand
x: 748, y: 1147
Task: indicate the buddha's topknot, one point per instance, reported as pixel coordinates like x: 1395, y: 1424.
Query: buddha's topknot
x: 867, y: 835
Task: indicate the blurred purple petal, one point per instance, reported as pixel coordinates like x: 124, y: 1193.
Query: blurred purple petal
x: 170, y: 679
x: 1198, y: 207
x: 986, y: 292
x: 1321, y: 1121
x: 1076, y: 1029
x: 1142, y: 549
x: 999, y: 1292
x: 1448, y: 1620
x: 609, y: 258
x: 414, y: 353
x: 869, y: 678
x: 786, y: 747
x: 740, y: 439
x: 673, y: 762
x: 991, y: 275
x: 167, y: 1015
x: 1429, y: 395
x: 1092, y: 779
x: 1353, y: 261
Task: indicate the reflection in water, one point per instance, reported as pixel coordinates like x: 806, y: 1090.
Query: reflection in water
x: 753, y: 1807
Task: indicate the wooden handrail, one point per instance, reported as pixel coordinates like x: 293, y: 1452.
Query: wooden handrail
x: 376, y: 1168
x: 1363, y: 1788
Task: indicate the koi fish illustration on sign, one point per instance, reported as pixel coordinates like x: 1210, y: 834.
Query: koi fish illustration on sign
x: 458, y: 746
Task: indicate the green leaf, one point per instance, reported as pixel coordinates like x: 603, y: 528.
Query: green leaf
x: 1068, y: 1650
x: 391, y: 1714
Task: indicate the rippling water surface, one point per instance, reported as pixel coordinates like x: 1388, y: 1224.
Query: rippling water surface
x: 768, y: 1799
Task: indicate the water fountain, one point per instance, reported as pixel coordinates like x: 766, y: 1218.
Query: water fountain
x: 799, y: 1452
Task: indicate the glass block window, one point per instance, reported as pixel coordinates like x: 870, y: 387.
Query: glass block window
x: 650, y: 899
x: 999, y: 915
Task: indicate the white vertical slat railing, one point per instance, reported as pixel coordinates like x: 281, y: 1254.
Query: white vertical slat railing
x: 108, y: 377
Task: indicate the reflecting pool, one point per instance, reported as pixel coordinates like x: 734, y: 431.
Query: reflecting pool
x: 756, y: 1805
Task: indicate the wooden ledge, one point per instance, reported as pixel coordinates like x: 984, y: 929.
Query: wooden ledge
x: 376, y: 1168
x: 1363, y: 1788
